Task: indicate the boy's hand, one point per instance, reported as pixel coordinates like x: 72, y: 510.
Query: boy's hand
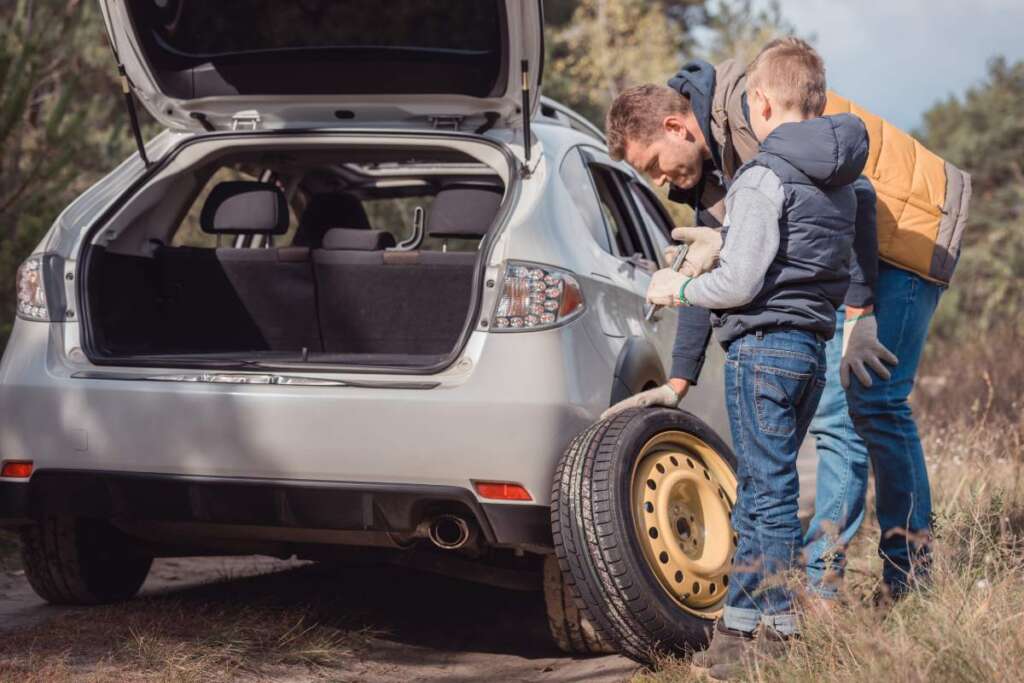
x: 666, y: 395
x: 664, y: 287
x: 705, y: 247
x: 861, y: 348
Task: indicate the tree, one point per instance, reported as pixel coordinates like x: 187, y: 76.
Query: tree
x: 60, y: 122
x: 983, y: 133
x: 598, y: 48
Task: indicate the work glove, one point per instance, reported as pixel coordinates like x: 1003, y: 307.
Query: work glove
x: 705, y: 245
x: 861, y: 350
x: 664, y: 287
x: 659, y: 396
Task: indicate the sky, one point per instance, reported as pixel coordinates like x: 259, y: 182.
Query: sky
x: 898, y: 57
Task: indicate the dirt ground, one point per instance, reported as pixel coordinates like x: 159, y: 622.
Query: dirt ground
x: 269, y: 620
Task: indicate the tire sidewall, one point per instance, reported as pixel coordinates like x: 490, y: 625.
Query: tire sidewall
x: 646, y: 425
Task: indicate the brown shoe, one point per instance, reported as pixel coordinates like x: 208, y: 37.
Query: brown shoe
x: 732, y: 651
x: 726, y: 644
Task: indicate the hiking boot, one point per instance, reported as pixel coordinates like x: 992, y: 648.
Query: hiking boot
x: 732, y: 651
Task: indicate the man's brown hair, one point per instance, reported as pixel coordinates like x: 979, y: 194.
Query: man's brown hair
x: 637, y: 113
x: 793, y: 72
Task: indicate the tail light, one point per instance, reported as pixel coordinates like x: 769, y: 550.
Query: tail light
x: 535, y: 297
x: 37, y: 300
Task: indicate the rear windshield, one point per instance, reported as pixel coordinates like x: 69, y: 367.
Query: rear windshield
x: 323, y: 46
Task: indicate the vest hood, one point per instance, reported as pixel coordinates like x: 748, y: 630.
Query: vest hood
x: 830, y: 150
x: 696, y: 81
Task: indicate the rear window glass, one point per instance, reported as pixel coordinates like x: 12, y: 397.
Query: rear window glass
x: 449, y: 45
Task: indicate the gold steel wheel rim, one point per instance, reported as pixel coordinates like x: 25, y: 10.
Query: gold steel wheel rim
x: 683, y: 493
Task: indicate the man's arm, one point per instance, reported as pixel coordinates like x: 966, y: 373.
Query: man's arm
x: 692, y: 334
x: 861, y: 348
x: 860, y: 296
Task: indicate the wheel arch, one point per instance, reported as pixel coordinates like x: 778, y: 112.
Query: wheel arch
x: 637, y: 368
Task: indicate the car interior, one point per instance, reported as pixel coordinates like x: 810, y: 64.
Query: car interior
x: 366, y: 260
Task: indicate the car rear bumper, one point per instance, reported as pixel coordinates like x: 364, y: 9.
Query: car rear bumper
x: 501, y: 419
x: 314, y: 505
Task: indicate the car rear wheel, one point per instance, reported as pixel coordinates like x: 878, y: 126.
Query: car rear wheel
x: 76, y: 561
x: 641, y: 509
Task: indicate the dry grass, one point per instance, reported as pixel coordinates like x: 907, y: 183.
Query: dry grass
x: 969, y: 625
x: 183, y: 640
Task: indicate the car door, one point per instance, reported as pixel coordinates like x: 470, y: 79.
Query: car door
x: 631, y: 257
x: 707, y: 399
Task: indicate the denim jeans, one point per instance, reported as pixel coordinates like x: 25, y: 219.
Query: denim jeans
x: 773, y: 381
x: 874, y: 423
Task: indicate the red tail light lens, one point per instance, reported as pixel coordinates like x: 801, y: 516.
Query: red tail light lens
x: 535, y: 297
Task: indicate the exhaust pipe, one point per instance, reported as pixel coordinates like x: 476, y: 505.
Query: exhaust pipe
x: 449, y: 532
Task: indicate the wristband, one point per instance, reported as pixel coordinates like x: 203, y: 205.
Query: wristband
x: 682, y: 292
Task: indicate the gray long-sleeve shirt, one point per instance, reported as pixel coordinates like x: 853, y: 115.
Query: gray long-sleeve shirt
x: 753, y: 209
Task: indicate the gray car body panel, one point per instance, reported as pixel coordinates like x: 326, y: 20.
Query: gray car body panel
x: 504, y: 410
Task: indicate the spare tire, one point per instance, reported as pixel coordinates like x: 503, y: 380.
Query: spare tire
x: 640, y: 513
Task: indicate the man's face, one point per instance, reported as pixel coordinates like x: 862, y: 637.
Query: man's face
x: 675, y: 155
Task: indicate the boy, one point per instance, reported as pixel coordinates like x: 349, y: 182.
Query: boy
x: 782, y: 273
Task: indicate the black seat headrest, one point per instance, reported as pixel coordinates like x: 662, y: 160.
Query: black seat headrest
x: 347, y: 239
x: 245, y: 207
x: 325, y: 211
x: 463, y: 211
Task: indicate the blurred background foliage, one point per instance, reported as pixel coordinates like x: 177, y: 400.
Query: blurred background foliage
x: 63, y: 125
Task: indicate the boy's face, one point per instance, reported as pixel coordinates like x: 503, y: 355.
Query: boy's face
x: 676, y: 155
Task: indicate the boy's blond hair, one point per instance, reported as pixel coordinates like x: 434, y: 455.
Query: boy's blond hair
x: 792, y: 72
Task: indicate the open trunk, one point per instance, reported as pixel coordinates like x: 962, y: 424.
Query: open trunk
x: 372, y: 263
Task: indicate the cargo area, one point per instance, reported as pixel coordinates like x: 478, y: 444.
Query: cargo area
x: 362, y: 256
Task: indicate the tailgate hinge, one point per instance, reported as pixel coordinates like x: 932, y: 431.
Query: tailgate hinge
x: 246, y: 120
x: 447, y: 122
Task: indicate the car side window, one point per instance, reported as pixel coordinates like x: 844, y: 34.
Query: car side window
x: 581, y: 189
x: 656, y: 219
x: 621, y: 215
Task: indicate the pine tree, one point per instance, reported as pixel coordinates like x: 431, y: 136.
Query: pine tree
x: 59, y: 122
x: 983, y: 133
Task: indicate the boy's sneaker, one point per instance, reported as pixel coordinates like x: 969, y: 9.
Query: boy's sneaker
x: 731, y: 651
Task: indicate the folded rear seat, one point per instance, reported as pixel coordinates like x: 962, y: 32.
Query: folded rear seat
x: 373, y: 301
x: 275, y: 286
x: 239, y: 299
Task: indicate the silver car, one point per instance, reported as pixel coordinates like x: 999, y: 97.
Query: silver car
x: 338, y: 303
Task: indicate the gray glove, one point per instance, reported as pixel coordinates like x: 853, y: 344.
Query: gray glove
x: 705, y: 246
x: 659, y: 396
x: 861, y: 349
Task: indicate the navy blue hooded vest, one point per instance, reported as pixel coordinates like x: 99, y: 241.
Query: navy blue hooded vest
x: 817, y: 161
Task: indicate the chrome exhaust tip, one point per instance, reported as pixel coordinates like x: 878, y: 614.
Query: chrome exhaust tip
x: 449, y: 532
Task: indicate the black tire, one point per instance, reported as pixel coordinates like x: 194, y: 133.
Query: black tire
x: 596, y: 540
x: 570, y: 629
x: 75, y: 561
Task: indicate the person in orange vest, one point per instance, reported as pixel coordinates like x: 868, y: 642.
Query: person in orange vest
x: 911, y: 215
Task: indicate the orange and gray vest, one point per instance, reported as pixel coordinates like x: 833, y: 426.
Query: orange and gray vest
x: 922, y: 200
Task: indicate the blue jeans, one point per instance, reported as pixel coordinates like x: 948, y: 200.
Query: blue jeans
x: 773, y: 381
x: 860, y: 424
